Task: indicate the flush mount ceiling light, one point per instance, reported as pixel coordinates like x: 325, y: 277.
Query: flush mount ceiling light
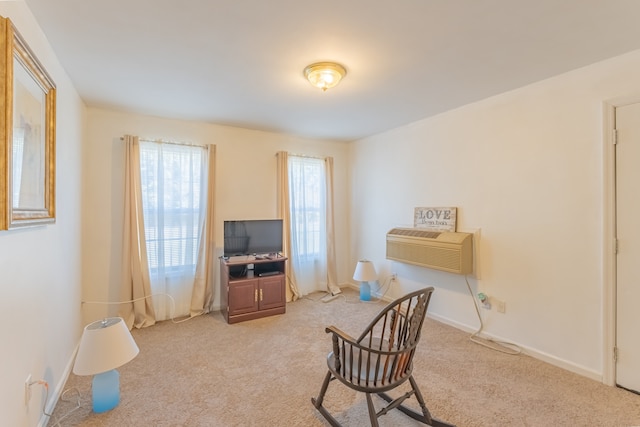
x: 324, y: 75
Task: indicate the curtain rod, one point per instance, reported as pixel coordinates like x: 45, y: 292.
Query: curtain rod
x: 162, y: 141
x: 306, y: 156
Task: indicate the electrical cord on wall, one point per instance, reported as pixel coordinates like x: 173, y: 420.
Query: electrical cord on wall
x: 171, y: 311
x: 63, y: 398
x: 501, y: 346
x: 387, y: 284
x: 45, y: 385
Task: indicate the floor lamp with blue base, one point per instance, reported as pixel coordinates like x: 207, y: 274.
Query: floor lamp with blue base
x: 365, y: 273
x: 105, y: 345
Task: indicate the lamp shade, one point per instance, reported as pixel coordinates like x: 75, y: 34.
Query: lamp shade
x: 105, y: 345
x: 365, y: 271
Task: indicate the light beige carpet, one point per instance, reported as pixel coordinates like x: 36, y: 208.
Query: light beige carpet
x: 204, y: 372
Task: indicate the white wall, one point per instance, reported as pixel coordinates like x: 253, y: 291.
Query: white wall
x: 526, y: 168
x: 245, y: 188
x: 40, y: 267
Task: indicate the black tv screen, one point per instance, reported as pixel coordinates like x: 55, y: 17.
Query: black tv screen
x: 249, y: 237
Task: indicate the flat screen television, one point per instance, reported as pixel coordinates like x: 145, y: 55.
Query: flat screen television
x: 249, y: 237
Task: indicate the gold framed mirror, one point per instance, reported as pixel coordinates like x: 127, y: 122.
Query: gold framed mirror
x: 27, y: 134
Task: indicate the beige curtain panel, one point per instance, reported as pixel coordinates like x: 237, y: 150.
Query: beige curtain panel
x: 332, y: 271
x: 284, y: 212
x: 202, y: 296
x: 136, y: 285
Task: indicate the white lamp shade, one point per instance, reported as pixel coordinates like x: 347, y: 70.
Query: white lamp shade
x: 105, y: 345
x: 365, y: 271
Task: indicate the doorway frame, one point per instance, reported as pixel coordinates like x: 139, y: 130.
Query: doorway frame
x: 609, y: 272
x: 609, y: 243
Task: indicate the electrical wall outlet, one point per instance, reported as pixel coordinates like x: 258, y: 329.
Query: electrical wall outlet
x: 501, y: 307
x: 27, y: 390
x: 484, y: 300
x: 394, y: 277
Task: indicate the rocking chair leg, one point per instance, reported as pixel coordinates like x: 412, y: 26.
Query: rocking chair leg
x: 317, y: 402
x: 420, y: 399
x: 372, y: 411
x: 425, y: 417
x: 434, y: 422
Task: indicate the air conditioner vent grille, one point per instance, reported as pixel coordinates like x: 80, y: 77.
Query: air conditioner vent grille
x: 415, y: 232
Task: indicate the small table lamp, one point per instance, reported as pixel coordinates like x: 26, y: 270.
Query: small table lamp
x: 365, y: 273
x: 105, y: 345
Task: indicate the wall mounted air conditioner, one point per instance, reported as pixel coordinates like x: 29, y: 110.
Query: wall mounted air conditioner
x: 447, y: 251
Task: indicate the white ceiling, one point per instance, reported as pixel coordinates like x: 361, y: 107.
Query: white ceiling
x: 240, y: 62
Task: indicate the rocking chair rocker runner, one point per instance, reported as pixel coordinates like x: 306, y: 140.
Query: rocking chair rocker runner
x: 381, y: 359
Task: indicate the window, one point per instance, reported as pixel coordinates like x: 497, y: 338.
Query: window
x: 307, y: 202
x: 173, y: 181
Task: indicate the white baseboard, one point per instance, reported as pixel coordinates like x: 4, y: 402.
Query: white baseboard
x: 58, y: 390
x: 545, y: 357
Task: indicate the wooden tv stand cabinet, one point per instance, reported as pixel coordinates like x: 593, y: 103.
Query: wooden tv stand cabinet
x: 247, y: 294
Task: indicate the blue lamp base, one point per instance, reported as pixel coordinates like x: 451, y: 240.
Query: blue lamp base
x: 365, y: 291
x: 105, y: 390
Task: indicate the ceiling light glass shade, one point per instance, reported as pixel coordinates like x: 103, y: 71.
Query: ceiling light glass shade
x: 324, y: 75
x: 365, y: 271
x: 105, y: 345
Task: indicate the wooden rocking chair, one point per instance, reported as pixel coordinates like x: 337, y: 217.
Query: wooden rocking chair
x: 381, y: 359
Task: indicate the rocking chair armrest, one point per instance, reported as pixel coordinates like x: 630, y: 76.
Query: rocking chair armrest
x: 340, y: 334
x: 340, y: 338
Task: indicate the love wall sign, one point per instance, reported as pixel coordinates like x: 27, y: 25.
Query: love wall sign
x: 436, y: 219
